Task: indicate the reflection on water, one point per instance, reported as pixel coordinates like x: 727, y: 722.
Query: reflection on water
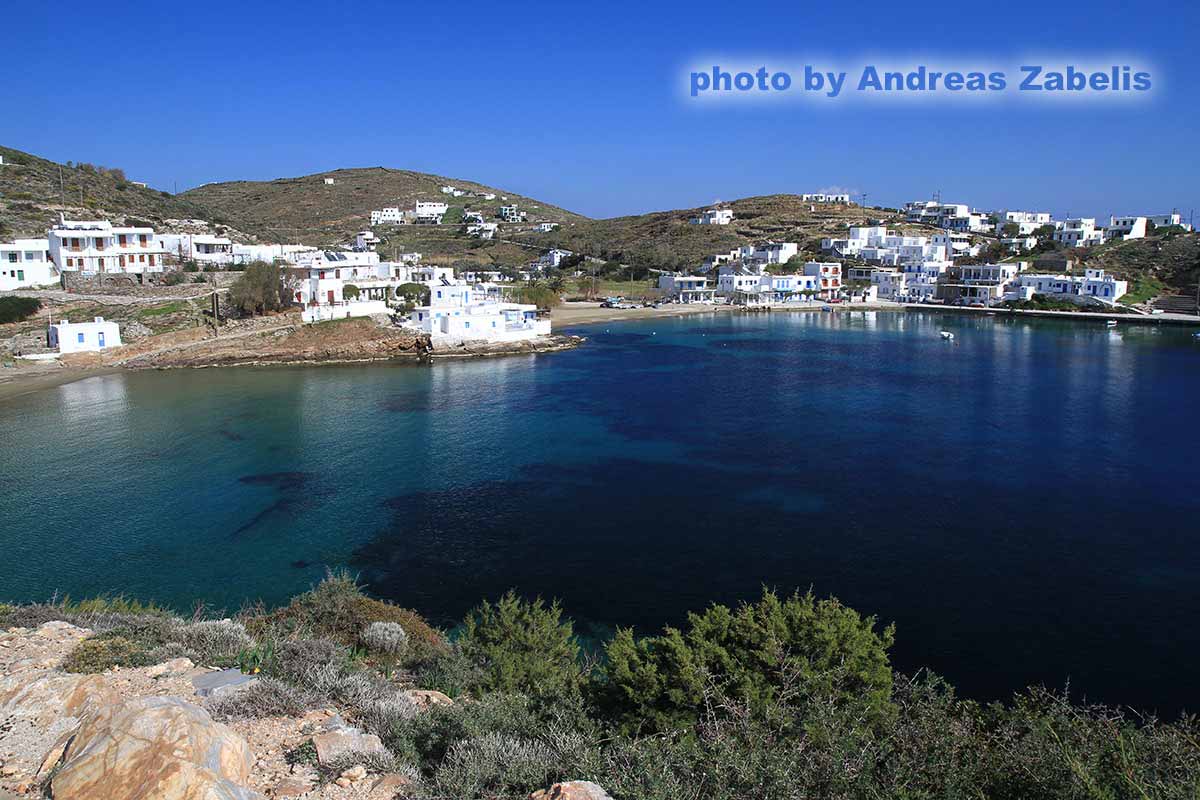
x: 1020, y: 501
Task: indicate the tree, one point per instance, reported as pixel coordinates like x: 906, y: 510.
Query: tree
x: 524, y: 647
x: 350, y: 291
x: 662, y: 682
x: 262, y: 288
x: 1010, y: 230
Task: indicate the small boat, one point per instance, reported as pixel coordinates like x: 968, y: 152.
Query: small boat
x: 947, y: 335
x: 1112, y: 323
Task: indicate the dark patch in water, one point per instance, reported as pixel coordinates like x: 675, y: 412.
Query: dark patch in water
x: 295, y: 492
x: 280, y: 480
x: 300, y: 563
x: 232, y: 436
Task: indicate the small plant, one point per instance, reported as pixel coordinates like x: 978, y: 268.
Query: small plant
x: 388, y: 640
x: 101, y: 653
x: 216, y: 642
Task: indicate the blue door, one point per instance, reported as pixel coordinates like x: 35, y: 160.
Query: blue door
x: 101, y: 335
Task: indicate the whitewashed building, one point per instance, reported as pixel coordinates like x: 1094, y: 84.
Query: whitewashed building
x: 1125, y: 228
x: 484, y: 230
x: 392, y: 215
x: 977, y: 284
x: 829, y: 273
x: 429, y: 211
x: 84, y: 337
x: 552, y: 258
x: 714, y: 216
x: 1168, y: 220
x: 511, y: 213
x: 25, y: 263
x: 686, y: 288
x: 826, y: 197
x: 98, y: 247
x: 1026, y: 221
x: 921, y: 280
x: 205, y: 249
x: 1079, y: 232
x: 955, y: 216
x: 1094, y: 284
x: 459, y: 312
x: 546, y: 227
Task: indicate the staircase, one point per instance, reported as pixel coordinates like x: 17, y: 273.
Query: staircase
x: 1175, y: 304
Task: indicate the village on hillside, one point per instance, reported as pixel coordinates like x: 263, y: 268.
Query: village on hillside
x: 928, y: 252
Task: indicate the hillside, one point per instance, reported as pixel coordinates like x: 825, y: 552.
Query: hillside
x: 34, y: 191
x: 308, y: 210
x: 666, y: 238
x: 1169, y: 260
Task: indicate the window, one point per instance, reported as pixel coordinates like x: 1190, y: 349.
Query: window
x: 123, y: 240
x: 79, y: 338
x: 152, y: 259
x: 13, y: 258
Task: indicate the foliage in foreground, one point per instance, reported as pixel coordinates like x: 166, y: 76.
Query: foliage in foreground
x: 261, y: 288
x: 782, y: 698
x: 15, y: 309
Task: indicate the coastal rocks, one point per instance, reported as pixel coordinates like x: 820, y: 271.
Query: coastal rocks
x: 572, y: 790
x: 152, y: 747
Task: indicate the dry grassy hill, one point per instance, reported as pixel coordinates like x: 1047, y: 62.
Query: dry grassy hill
x: 667, y: 239
x: 34, y: 191
x: 308, y: 210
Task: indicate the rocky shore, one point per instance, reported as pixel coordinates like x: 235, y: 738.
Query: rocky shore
x: 149, y: 733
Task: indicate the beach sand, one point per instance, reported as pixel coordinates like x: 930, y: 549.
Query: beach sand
x: 26, y: 378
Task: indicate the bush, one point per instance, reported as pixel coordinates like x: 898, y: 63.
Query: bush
x: 751, y: 654
x: 215, y: 642
x: 523, y: 647
x: 261, y: 288
x: 100, y: 653
x: 267, y: 697
x: 338, y: 610
x: 16, y: 309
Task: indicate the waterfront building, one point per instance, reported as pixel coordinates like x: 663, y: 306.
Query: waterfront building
x: 96, y: 246
x: 978, y: 284
x: 459, y: 312
x: 25, y: 263
x: 1094, y: 284
x: 686, y: 288
x: 829, y: 273
x: 84, y: 337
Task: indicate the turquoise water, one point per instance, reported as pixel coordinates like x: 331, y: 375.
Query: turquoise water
x: 1021, y: 502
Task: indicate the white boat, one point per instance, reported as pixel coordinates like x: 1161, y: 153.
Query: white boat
x: 947, y: 335
x: 1112, y: 323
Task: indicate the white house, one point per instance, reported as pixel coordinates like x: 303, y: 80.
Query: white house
x: 429, y: 211
x: 1079, y: 232
x: 714, y: 216
x: 511, y: 213
x: 484, y: 230
x: 329, y: 181
x: 202, y: 248
x: 84, y: 337
x: 1168, y: 220
x: 977, y: 284
x: 26, y: 262
x: 829, y: 273
x: 459, y: 312
x: 738, y: 278
x: 1018, y: 244
x: 323, y: 276
x: 546, y: 227
x: 472, y: 216
x: 889, y: 283
x: 825, y: 197
x: 686, y: 288
x: 553, y: 258
x: 1094, y: 284
x: 1125, y: 228
x: 392, y: 215
x: 98, y: 247
x: 955, y: 216
x: 1026, y: 221
x: 921, y: 280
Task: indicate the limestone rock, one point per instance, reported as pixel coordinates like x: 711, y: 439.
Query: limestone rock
x: 335, y: 744
x: 572, y: 790
x: 292, y: 787
x: 425, y: 699
x: 176, y: 666
x: 388, y: 786
x: 153, y: 747
x: 355, y: 773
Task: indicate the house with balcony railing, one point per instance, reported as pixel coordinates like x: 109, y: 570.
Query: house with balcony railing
x: 96, y: 246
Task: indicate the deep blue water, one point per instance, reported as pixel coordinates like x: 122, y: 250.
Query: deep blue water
x: 1021, y: 502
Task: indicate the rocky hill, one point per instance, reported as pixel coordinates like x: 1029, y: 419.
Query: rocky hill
x: 309, y: 210
x: 34, y: 191
x: 667, y: 239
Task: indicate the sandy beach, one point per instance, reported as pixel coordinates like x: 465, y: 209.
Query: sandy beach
x: 26, y: 378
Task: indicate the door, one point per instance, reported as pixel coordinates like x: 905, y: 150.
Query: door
x: 331, y: 297
x: 101, y: 336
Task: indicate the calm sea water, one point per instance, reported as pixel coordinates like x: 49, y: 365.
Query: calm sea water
x: 1021, y: 502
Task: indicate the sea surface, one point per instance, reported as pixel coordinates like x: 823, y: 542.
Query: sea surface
x: 1022, y: 502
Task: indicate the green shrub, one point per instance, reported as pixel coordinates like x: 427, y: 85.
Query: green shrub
x: 100, y: 653
x: 752, y: 654
x: 523, y: 647
x: 16, y: 309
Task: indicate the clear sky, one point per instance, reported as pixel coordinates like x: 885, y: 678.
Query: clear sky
x: 585, y: 106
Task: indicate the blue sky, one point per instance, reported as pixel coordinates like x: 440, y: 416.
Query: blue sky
x: 585, y: 106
